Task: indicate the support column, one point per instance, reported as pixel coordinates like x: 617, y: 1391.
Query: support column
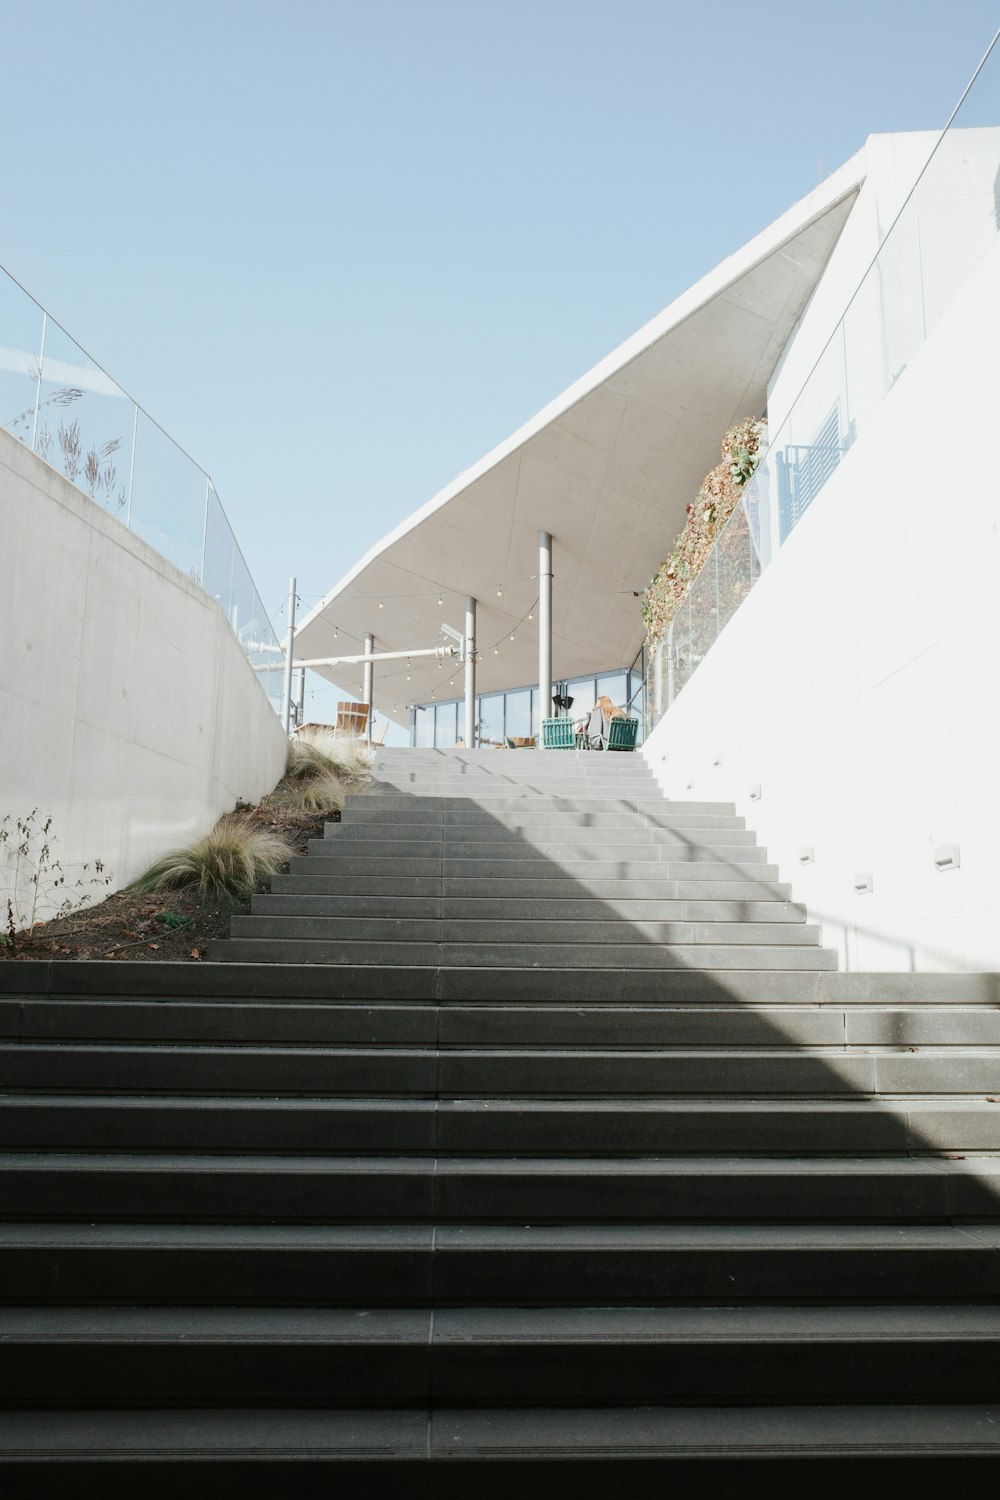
x: 544, y: 626
x: 470, y: 672
x: 286, y: 701
x: 302, y: 695
x: 369, y: 680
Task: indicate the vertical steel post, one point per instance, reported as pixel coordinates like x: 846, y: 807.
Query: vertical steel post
x: 286, y: 702
x: 545, y: 626
x: 38, y: 383
x: 302, y: 695
x: 470, y: 672
x: 369, y: 680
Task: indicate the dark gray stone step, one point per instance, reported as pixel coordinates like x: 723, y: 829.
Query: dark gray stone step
x: 399, y: 1265
x: 605, y: 930
x: 546, y: 836
x: 591, y: 1453
x: 561, y: 959
x: 362, y: 812
x: 285, y: 1357
x: 201, y: 1188
x: 607, y: 857
x: 316, y: 879
x: 565, y: 909
x: 506, y: 1072
x: 522, y: 1127
x: 251, y: 983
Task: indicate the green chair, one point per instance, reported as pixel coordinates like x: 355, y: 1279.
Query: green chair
x: 557, y: 734
x: 622, y: 733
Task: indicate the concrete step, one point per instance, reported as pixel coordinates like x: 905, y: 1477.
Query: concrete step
x: 548, y: 836
x: 755, y: 1453
x: 556, y: 957
x: 284, y: 1357
x: 316, y: 879
x: 412, y: 1265
x: 599, y: 932
x: 565, y: 909
x: 737, y: 847
x: 722, y: 1024
x: 506, y: 1072
x: 244, y: 1188
x: 613, y: 1128
x: 252, y: 983
x: 362, y: 812
x: 385, y: 802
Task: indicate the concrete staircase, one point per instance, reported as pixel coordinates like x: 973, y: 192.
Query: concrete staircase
x: 526, y: 1136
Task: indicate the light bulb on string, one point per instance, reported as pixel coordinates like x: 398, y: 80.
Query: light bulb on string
x: 512, y: 635
x: 496, y: 650
x: 499, y: 593
x: 530, y: 615
x: 440, y: 598
x: 381, y: 604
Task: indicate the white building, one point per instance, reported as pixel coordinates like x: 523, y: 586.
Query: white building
x: 848, y: 705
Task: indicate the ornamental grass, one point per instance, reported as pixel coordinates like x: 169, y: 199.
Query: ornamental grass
x: 237, y: 858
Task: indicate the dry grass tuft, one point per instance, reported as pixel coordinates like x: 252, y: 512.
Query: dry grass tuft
x: 237, y: 858
x: 321, y: 793
x: 318, y: 751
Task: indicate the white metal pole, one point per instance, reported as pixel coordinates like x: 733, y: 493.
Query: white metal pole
x: 286, y: 702
x: 545, y: 626
x: 302, y: 696
x: 369, y: 679
x: 470, y: 672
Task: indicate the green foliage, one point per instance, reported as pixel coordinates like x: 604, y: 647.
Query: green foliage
x: 237, y: 858
x: 173, y: 920
x: 712, y: 507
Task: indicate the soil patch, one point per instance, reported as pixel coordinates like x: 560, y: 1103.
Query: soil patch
x: 164, y: 926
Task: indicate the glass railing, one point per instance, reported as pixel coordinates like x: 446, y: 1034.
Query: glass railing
x: 945, y: 227
x: 65, y: 408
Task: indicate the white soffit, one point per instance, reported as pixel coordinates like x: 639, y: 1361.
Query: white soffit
x: 607, y: 468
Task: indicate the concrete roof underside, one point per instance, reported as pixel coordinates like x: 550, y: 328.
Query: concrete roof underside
x: 607, y: 469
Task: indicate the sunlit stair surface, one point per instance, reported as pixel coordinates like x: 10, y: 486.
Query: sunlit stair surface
x: 524, y: 1139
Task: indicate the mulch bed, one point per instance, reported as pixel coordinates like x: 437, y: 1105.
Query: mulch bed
x: 164, y: 927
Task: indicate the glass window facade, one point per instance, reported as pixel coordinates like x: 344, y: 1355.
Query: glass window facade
x: 518, y: 711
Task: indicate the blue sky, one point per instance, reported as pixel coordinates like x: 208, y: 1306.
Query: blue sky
x: 340, y: 250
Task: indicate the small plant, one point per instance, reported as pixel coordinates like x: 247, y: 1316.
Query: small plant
x: 35, y: 880
x: 323, y: 793
x: 321, y: 750
x: 172, y: 920
x: 235, y: 859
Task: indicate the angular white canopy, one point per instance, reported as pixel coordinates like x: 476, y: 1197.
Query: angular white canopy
x: 607, y: 468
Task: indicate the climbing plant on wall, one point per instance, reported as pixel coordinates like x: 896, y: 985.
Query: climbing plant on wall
x: 706, y: 516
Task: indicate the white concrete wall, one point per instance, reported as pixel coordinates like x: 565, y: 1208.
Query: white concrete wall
x: 127, y: 709
x: 858, y: 685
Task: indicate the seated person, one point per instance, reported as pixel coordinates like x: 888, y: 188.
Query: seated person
x: 600, y: 722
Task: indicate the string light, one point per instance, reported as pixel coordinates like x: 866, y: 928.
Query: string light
x: 408, y: 673
x: 499, y: 593
x: 381, y: 604
x: 512, y: 635
x: 496, y: 650
x: 530, y: 615
x: 440, y: 598
x: 336, y: 633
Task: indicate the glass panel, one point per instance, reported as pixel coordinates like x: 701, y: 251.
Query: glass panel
x: 519, y: 713
x: 445, y: 725
x: 491, y: 730
x: 424, y: 737
x: 583, y: 691
x: 85, y: 423
x: 735, y: 558
x: 169, y: 495
x: 613, y: 685
x: 20, y: 343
